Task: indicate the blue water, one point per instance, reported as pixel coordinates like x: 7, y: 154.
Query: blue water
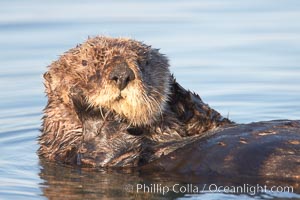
x: 242, y: 57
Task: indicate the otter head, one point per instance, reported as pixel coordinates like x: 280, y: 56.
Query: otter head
x: 121, y: 75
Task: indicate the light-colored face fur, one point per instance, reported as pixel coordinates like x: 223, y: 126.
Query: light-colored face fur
x: 89, y: 65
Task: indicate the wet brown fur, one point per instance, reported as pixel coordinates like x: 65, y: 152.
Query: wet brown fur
x: 89, y: 121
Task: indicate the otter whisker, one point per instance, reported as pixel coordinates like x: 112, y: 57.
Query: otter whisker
x: 149, y: 104
x: 101, y: 113
x: 159, y: 107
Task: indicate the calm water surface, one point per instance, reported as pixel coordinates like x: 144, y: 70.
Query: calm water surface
x: 242, y: 57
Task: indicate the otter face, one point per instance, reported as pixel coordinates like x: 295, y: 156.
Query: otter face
x: 122, y: 75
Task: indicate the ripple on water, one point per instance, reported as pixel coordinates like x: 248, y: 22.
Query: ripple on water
x: 19, y: 164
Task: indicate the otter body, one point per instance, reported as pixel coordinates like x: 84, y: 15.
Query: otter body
x: 114, y: 103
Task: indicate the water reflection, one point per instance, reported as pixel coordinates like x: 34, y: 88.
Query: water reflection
x: 67, y: 182
x: 63, y: 182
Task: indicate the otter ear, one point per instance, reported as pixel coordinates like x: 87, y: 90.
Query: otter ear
x: 47, y: 82
x: 47, y: 76
x: 50, y: 81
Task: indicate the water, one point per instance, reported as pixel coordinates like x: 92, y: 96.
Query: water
x: 242, y: 57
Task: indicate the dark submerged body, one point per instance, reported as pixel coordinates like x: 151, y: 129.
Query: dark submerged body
x: 263, y: 150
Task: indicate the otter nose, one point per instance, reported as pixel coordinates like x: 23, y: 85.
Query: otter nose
x: 121, y: 75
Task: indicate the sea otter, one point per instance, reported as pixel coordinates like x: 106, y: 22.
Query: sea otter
x: 108, y: 98
x: 112, y: 102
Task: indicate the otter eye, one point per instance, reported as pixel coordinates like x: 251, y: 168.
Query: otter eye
x: 147, y: 62
x: 84, y: 63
